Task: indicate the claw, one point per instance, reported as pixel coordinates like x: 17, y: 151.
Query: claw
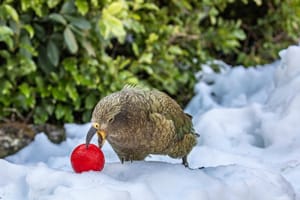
x: 196, y: 168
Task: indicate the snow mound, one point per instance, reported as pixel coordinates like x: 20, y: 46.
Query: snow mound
x: 151, y: 180
x: 249, y: 147
x: 250, y: 116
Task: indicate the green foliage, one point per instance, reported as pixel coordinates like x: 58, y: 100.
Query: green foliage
x: 59, y: 57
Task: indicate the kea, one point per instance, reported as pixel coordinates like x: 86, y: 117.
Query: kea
x: 137, y: 122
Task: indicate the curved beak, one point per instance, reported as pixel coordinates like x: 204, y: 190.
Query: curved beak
x: 92, y: 131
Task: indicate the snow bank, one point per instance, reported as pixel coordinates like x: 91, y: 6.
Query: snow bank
x: 249, y: 146
x: 146, y: 180
x: 253, y: 116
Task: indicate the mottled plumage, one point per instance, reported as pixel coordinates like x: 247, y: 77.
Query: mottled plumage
x: 139, y: 122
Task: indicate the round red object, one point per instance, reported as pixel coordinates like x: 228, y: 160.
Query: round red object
x: 87, y: 159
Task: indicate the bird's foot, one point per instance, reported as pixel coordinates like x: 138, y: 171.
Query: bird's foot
x: 195, y: 168
x: 186, y: 164
x: 126, y: 158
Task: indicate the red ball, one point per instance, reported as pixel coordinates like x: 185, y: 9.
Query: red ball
x: 86, y: 159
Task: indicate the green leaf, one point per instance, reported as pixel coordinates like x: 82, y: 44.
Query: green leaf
x: 135, y: 49
x: 30, y: 101
x: 58, y: 93
x: 88, y: 47
x: 49, y: 108
x: 40, y: 32
x: 68, y: 115
x: 70, y: 40
x: 79, y: 22
x: 86, y: 116
x: 175, y: 50
x: 53, y: 3
x: 68, y: 8
x: 25, y: 89
x: 146, y: 58
x: 258, y: 2
x: 39, y: 82
x: 29, y: 30
x: 149, y: 69
x: 52, y: 53
x: 82, y: 6
x: 239, y: 34
x: 114, y: 25
x: 104, y: 29
x: 79, y: 33
x: 12, y: 12
x: 124, y: 63
x: 150, y: 6
x: 64, y: 112
x: 57, y: 18
x: 152, y: 38
x: 26, y: 48
x: 70, y: 64
x: 95, y: 3
x: 43, y: 61
x: 27, y: 66
x: 132, y: 81
x: 90, y: 101
x: 55, y: 77
x: 72, y: 92
x: 5, y: 87
x: 5, y: 30
x: 40, y: 116
x: 115, y: 8
x: 60, y: 111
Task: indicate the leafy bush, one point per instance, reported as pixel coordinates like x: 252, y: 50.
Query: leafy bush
x: 58, y: 58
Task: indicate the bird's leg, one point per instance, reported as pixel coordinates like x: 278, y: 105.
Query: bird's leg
x: 125, y: 158
x: 184, y: 161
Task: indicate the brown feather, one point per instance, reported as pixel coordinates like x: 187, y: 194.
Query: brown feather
x: 141, y: 122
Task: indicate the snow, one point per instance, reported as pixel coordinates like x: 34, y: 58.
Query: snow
x: 248, y: 119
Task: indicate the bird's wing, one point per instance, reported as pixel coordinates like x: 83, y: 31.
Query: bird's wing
x: 161, y: 120
x: 170, y: 110
x: 162, y: 124
x: 183, y: 125
x: 175, y: 128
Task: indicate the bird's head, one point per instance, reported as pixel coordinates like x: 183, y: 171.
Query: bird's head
x: 102, y: 118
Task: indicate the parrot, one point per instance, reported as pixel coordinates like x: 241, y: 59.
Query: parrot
x: 138, y: 122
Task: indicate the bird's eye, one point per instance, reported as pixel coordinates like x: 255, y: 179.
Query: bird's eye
x: 110, y: 120
x: 96, y: 125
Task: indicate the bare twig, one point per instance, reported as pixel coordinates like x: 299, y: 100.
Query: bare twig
x: 14, y: 111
